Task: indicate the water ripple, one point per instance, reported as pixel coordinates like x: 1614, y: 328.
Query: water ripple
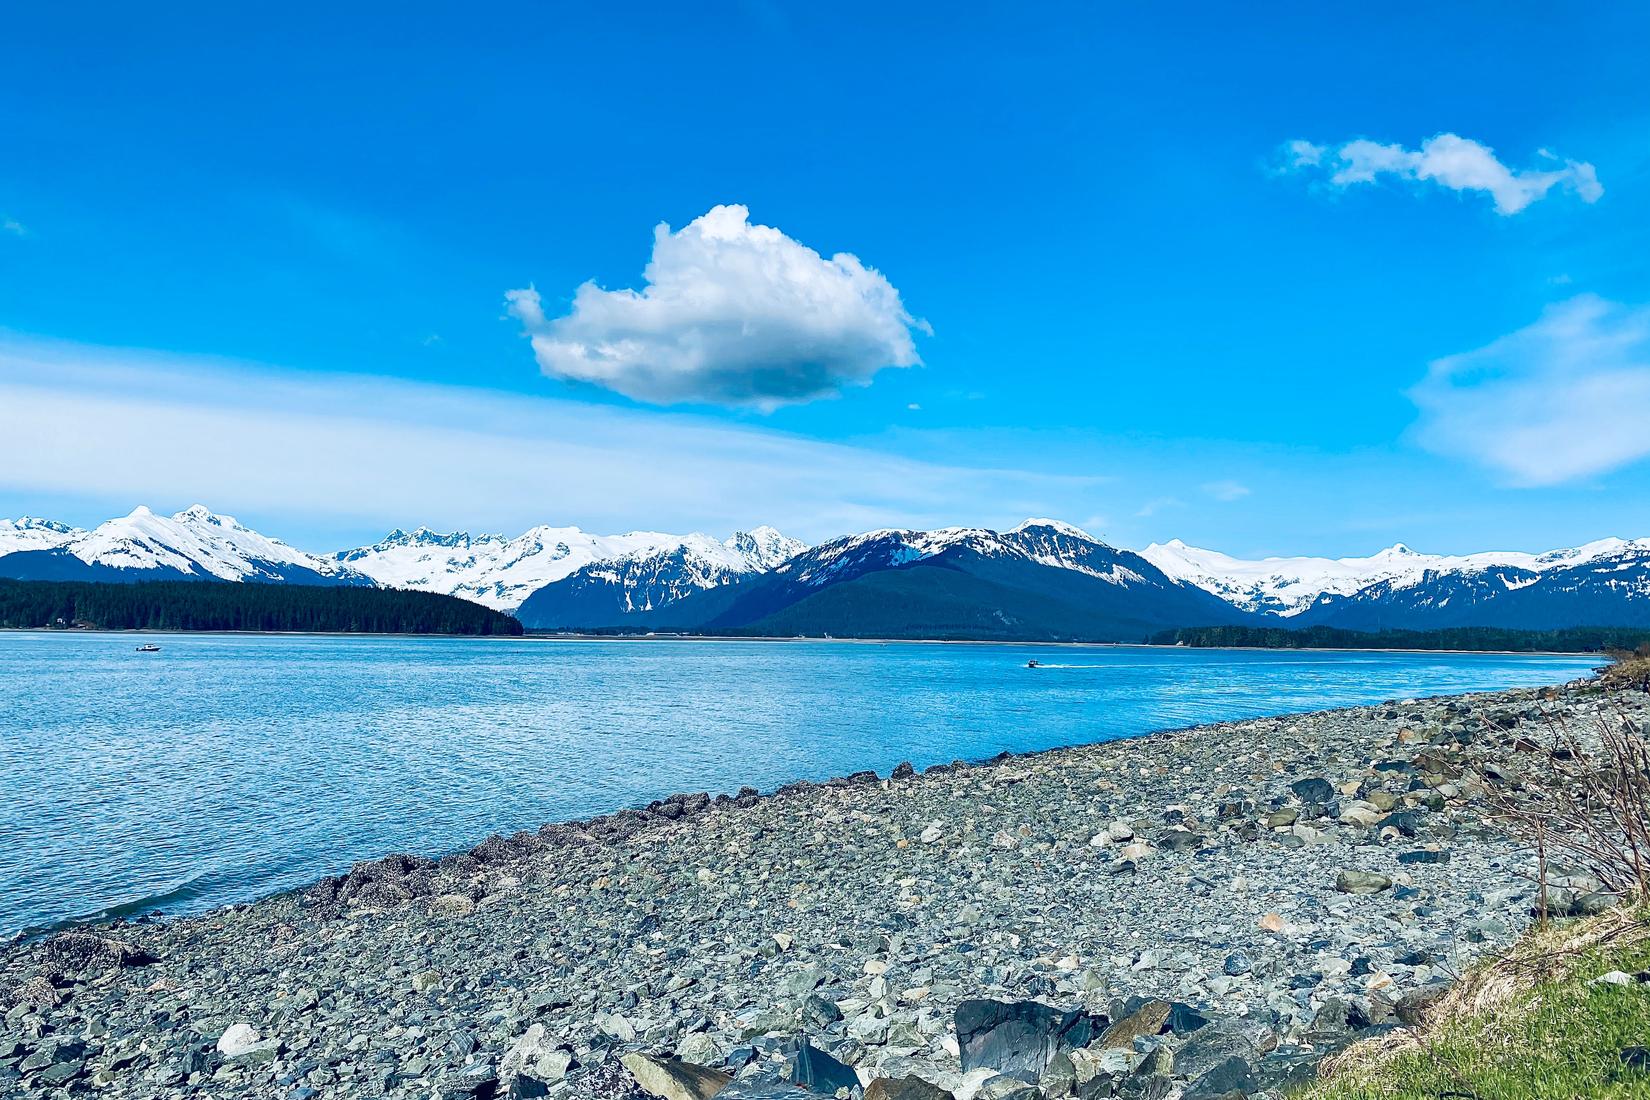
x: 225, y: 767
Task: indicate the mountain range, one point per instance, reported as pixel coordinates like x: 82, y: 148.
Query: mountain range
x: 502, y: 572
x: 1041, y: 580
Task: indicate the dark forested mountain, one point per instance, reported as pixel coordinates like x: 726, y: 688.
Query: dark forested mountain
x: 611, y: 593
x: 216, y: 605
x: 1042, y: 580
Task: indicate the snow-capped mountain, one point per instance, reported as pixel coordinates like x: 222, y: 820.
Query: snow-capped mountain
x: 1601, y: 584
x: 1290, y: 586
x: 194, y: 544
x: 29, y: 533
x: 763, y: 547
x: 605, y: 593
x: 502, y: 573
x: 1042, y: 580
x: 1043, y: 541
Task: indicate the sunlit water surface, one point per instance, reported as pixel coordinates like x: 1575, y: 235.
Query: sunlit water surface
x: 227, y: 767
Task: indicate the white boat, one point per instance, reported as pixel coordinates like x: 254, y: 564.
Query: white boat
x: 148, y: 647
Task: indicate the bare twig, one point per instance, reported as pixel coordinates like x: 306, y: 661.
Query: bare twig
x: 1582, y: 795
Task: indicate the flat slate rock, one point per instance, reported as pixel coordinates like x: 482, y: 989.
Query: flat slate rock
x: 1019, y: 1038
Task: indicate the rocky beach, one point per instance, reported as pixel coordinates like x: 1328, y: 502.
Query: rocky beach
x: 1198, y: 913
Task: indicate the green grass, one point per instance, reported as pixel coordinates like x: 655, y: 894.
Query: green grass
x: 1559, y: 1040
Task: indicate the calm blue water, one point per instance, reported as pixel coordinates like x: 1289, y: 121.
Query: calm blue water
x: 226, y: 767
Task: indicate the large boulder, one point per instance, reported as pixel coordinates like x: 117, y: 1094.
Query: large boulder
x: 1231, y: 1037
x: 1229, y: 1075
x: 816, y: 1071
x: 75, y: 951
x: 904, y: 1088
x: 674, y: 1079
x: 1149, y: 1019
x: 1361, y: 882
x: 1018, y: 1038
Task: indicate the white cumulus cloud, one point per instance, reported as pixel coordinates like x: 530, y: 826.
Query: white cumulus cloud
x: 1448, y: 160
x: 378, y: 452
x: 1567, y: 397
x: 731, y: 313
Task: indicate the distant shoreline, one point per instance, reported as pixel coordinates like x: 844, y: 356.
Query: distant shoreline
x: 533, y: 636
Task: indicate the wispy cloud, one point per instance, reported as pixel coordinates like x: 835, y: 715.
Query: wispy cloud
x: 1226, y: 491
x: 730, y: 314
x: 1449, y: 160
x: 1156, y: 505
x: 1568, y: 397
x: 131, y: 427
x: 11, y: 225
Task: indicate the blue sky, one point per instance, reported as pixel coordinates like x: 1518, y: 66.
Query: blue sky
x: 259, y: 258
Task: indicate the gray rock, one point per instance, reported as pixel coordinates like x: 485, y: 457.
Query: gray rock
x: 812, y: 1069
x: 1231, y: 1037
x: 818, y: 1012
x: 1413, y: 1004
x: 904, y: 1088
x: 37, y: 993
x: 477, y: 1082
x: 1338, y: 1017
x: 673, y: 1079
x: 237, y: 1039
x: 1225, y: 1077
x: 1361, y: 882
x: 535, y: 1055
x: 1146, y: 1020
x: 76, y: 951
x: 1005, y: 1087
x: 1313, y: 792
x: 1019, y: 1037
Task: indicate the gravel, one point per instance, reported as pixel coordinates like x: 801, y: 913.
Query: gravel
x: 1189, y: 913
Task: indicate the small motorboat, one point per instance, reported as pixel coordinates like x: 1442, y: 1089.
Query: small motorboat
x: 1033, y: 663
x: 148, y: 647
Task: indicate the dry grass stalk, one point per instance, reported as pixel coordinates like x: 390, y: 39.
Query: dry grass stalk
x: 1368, y: 1055
x: 1583, y: 797
x: 1628, y: 671
x: 1540, y: 957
